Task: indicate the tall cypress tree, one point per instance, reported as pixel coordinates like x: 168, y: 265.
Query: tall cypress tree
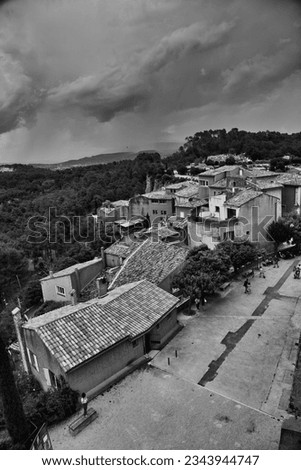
x: 12, y: 406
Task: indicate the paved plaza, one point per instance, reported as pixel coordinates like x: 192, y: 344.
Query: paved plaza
x: 222, y: 383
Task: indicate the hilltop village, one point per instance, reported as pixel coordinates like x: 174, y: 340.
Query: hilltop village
x: 179, y: 256
x: 98, y: 324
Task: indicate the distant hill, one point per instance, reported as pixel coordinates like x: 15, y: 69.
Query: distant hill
x: 88, y: 161
x: 164, y: 148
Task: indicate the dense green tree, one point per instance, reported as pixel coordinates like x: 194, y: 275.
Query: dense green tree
x: 278, y: 164
x: 239, y: 253
x: 32, y: 294
x: 203, y: 272
x: 280, y: 231
x: 14, y: 416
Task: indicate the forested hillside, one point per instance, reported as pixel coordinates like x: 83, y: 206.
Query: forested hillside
x: 29, y: 191
x: 266, y: 145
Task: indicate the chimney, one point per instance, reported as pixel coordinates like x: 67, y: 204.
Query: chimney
x: 103, y: 257
x: 18, y: 323
x: 77, y: 281
x: 73, y: 297
x: 102, y: 286
x: 51, y: 274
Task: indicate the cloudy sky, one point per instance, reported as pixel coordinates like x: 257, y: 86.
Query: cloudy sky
x: 80, y: 77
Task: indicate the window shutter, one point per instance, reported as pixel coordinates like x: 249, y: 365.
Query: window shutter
x: 36, y: 362
x: 28, y: 355
x: 47, y: 376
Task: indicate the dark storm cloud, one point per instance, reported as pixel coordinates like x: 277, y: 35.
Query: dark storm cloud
x: 131, y: 89
x: 142, y: 68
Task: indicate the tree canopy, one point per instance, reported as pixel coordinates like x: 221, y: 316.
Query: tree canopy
x: 203, y: 271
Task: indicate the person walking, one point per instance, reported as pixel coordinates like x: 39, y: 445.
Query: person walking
x: 84, y: 402
x: 261, y: 272
x: 276, y: 262
x: 246, y: 286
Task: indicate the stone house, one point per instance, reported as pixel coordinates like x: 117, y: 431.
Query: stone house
x: 118, y: 252
x: 240, y: 215
x: 210, y: 177
x: 111, y: 211
x: 291, y: 192
x: 91, y: 344
x: 187, y: 199
x: 64, y: 285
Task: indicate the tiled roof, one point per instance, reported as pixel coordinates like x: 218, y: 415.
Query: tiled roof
x: 129, y: 223
x: 219, y: 184
x: 158, y: 195
x: 289, y: 179
x: 219, y: 170
x: 189, y: 191
x: 180, y: 224
x: 268, y: 185
x: 261, y: 173
x: 162, y: 232
x: 121, y: 249
x: 120, y: 203
x: 178, y: 185
x: 192, y: 204
x: 153, y: 261
x: 74, y: 334
x: 243, y: 197
x: 71, y: 269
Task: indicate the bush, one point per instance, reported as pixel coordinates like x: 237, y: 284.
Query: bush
x: 32, y: 294
x: 27, y: 384
x: 51, y: 406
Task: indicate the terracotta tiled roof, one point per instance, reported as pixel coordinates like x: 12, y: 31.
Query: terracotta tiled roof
x: 177, y: 222
x: 178, y: 185
x: 180, y: 224
x: 191, y: 190
x: 219, y: 170
x: 260, y: 173
x: 153, y: 261
x: 120, y: 203
x: 243, y: 197
x: 162, y: 232
x: 158, y: 195
x: 192, y: 204
x: 219, y: 184
x: 121, y: 249
x: 74, y: 334
x: 289, y: 179
x: 267, y: 185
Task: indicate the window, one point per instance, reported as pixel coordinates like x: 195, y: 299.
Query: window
x: 216, y: 208
x: 33, y: 359
x: 204, y: 183
x: 60, y: 291
x: 155, y: 212
x: 231, y: 213
x: 51, y: 379
x: 163, y: 212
